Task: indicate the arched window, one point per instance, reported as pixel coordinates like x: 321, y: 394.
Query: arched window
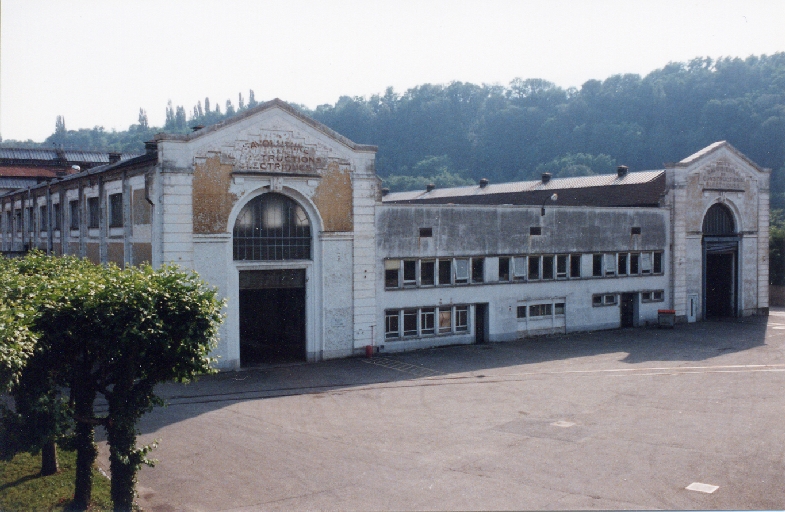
x: 272, y: 227
x: 718, y: 221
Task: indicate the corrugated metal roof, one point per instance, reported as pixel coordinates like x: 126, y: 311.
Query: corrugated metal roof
x: 28, y: 153
x: 18, y: 171
x: 15, y: 183
x: 71, y: 155
x: 485, y: 195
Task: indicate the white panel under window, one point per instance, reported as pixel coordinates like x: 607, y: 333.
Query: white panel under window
x: 461, y: 270
x: 610, y: 264
x: 646, y: 262
x: 392, y: 264
x: 519, y: 267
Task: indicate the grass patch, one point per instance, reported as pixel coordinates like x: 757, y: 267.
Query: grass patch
x: 22, y: 489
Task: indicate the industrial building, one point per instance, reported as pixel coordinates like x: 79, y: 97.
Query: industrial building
x: 289, y: 221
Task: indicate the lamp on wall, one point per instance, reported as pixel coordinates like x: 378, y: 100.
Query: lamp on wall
x: 554, y: 197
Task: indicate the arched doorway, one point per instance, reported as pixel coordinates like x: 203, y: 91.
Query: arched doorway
x: 720, y: 263
x: 272, y: 228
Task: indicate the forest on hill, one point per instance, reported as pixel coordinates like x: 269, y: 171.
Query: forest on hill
x: 456, y: 133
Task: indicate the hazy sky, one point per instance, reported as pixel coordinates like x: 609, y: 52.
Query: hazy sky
x: 98, y: 62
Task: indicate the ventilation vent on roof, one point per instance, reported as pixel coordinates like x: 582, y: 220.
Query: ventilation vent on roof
x: 150, y: 147
x: 484, y: 182
x: 385, y: 191
x: 546, y: 177
x: 114, y: 157
x: 622, y: 171
x: 430, y: 187
x: 197, y: 127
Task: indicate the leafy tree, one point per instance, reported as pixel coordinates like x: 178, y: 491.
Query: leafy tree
x: 251, y: 99
x: 777, y: 248
x: 240, y: 102
x: 206, y: 105
x: 578, y: 164
x: 143, y: 123
x: 229, y: 108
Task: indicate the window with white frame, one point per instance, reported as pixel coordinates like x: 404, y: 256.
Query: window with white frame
x: 461, y: 318
x: 461, y: 271
x: 604, y: 299
x: 519, y: 268
x: 392, y: 270
x: 653, y: 296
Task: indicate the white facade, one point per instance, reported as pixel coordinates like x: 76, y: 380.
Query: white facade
x: 361, y: 271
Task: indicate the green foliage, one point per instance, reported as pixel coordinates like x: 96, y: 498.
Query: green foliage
x: 777, y: 247
x: 435, y: 170
x: 578, y: 164
x: 21, y: 487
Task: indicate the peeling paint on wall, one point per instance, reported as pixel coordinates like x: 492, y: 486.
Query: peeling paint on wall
x: 212, y: 201
x: 333, y: 198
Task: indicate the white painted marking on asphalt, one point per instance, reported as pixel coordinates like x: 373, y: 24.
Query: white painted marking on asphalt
x: 707, y: 488
x: 563, y: 424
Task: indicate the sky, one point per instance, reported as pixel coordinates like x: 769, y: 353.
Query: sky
x: 98, y: 62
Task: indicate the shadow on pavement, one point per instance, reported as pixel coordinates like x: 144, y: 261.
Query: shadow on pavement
x: 685, y: 343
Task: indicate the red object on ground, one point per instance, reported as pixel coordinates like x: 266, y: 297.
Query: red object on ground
x: 368, y: 351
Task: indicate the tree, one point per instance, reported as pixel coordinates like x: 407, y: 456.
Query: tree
x: 229, y: 108
x: 206, y: 105
x: 60, y: 125
x: 240, y: 102
x: 143, y: 124
x: 170, y: 120
x: 251, y: 99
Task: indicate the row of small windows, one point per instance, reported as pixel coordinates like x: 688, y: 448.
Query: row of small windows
x: 430, y: 321
x: 541, y: 310
x: 14, y: 221
x: 611, y: 299
x: 410, y: 273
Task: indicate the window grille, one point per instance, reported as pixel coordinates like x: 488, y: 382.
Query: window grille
x: 718, y: 221
x: 272, y: 227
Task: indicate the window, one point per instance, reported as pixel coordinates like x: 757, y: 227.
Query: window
x: 115, y: 210
x: 426, y: 232
x: 9, y: 221
x: 478, y: 270
x: 30, y: 218
x: 540, y: 310
x: 622, y: 263
x: 521, y: 311
x: 409, y: 273
x: 519, y: 268
x: 635, y: 231
x: 445, y: 271
x: 575, y: 265
x: 461, y: 271
x: 410, y: 322
x: 427, y: 316
x: 646, y: 263
x: 558, y: 308
x: 445, y: 320
x: 461, y: 318
x: 272, y: 227
x: 92, y: 212
x: 391, y: 327
x: 634, y: 264
x: 427, y: 273
x: 392, y: 269
x: 56, y: 216
x: 610, y: 264
x: 653, y: 296
x: 43, y: 218
x: 504, y: 269
x: 534, y: 267
x: 547, y: 267
x: 18, y: 222
x: 608, y: 299
x: 561, y: 266
x: 596, y: 268
x: 657, y: 263
x: 534, y: 231
x: 73, y: 209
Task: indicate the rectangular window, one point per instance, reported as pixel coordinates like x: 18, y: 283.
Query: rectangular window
x: 603, y: 299
x: 73, y: 210
x: 596, y: 268
x: 645, y: 296
x: 409, y: 272
x: 445, y: 320
x: 410, y: 322
x: 504, y: 269
x: 561, y: 266
x: 540, y: 310
x: 547, y: 267
x: 461, y: 271
x: 596, y: 300
x: 521, y: 311
x: 427, y: 273
x: 645, y: 263
x: 445, y: 271
x: 56, y: 216
x: 609, y: 299
x: 92, y: 212
x: 18, y: 228
x: 657, y: 263
x: 9, y: 221
x: 622, y: 263
x: 658, y: 295
x: 461, y: 318
x: 519, y: 268
x: 478, y: 270
x: 610, y: 264
x: 535, y: 231
x: 43, y: 218
x: 391, y: 324
x: 558, y: 308
x: 30, y: 218
x: 426, y: 232
x: 575, y: 265
x: 635, y: 231
x: 534, y: 267
x: 634, y: 266
x: 392, y: 269
x: 116, y: 210
x: 427, y: 316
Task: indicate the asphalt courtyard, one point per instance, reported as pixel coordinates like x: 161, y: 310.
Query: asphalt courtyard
x: 624, y: 419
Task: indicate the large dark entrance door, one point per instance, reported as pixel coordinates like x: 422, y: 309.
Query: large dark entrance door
x: 480, y: 323
x: 720, y: 284
x: 628, y: 309
x: 272, y: 316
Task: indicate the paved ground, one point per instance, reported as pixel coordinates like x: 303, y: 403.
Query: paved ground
x: 611, y: 420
